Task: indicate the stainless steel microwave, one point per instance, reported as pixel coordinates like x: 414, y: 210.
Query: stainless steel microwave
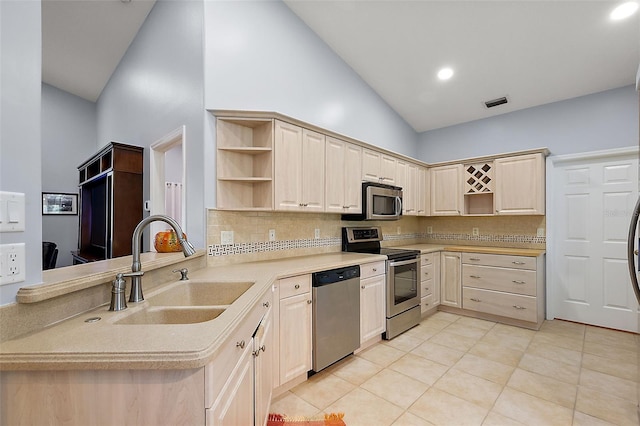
x: 379, y: 202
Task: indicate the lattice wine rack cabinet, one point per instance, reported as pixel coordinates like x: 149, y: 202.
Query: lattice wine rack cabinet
x: 479, y: 189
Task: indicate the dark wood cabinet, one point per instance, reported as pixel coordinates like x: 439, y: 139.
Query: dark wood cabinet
x: 110, y: 202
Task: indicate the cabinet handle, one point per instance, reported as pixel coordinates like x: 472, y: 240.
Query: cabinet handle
x: 309, y: 302
x: 375, y: 270
x: 426, y: 304
x: 426, y: 288
x: 256, y: 353
x: 300, y: 205
x: 475, y: 276
x: 362, y: 287
x: 297, y: 286
x: 515, y: 262
x: 240, y: 344
x: 266, y: 304
x: 518, y: 282
x: 474, y: 258
x: 475, y: 300
x: 262, y: 348
x: 519, y: 307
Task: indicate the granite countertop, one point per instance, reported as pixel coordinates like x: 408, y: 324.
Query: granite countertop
x: 102, y: 345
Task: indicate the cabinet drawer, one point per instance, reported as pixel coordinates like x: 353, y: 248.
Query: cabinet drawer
x: 428, y: 258
x: 372, y: 269
x: 497, y: 303
x: 293, y: 286
x: 426, y: 303
x: 500, y: 279
x: 426, y: 288
x: 427, y: 272
x: 500, y: 260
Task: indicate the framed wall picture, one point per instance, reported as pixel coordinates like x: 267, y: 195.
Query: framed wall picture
x: 59, y: 203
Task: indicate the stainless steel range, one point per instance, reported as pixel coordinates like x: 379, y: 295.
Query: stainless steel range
x: 402, y: 290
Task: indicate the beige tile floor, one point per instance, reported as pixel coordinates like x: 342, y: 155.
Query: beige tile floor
x: 454, y: 370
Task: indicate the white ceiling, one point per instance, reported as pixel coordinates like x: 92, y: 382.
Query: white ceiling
x: 83, y: 41
x: 532, y: 51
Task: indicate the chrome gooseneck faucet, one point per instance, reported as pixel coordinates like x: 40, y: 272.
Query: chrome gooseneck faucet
x: 136, y: 273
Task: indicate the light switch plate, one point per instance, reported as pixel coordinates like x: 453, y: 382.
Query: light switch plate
x: 429, y: 229
x: 12, y: 211
x: 475, y: 232
x: 272, y: 234
x: 316, y: 234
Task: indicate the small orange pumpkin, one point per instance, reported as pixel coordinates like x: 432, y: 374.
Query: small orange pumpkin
x: 167, y: 241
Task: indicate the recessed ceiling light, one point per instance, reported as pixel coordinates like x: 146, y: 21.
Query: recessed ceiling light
x: 624, y: 10
x: 445, y: 73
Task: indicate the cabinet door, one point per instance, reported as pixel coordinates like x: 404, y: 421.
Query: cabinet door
x: 520, y: 184
x: 312, y: 171
x: 264, y: 364
x: 401, y: 173
x: 371, y: 165
x: 388, y: 169
x: 295, y: 336
x: 450, y: 283
x: 353, y: 179
x: 423, y: 202
x: 343, y: 177
x: 372, y: 307
x: 288, y: 166
x: 446, y: 190
x: 234, y: 405
x: 411, y: 194
x: 335, y: 151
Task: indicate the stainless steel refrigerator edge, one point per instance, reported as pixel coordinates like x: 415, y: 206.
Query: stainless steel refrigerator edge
x: 632, y: 249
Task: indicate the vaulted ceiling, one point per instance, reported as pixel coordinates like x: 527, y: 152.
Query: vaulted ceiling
x: 530, y: 51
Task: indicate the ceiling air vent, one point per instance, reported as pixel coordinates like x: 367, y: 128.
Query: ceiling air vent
x: 495, y: 102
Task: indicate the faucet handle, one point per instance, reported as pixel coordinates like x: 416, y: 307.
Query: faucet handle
x: 118, y: 301
x: 131, y: 274
x: 183, y: 273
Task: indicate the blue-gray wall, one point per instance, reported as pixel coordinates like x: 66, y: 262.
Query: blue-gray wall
x: 588, y: 123
x: 158, y: 87
x: 260, y: 56
x: 20, y: 76
x: 68, y: 139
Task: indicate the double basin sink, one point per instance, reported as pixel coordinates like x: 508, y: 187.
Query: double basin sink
x: 188, y: 302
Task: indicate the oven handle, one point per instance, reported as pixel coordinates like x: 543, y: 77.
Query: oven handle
x: 402, y: 262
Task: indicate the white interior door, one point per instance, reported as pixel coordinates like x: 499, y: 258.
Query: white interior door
x: 593, y: 199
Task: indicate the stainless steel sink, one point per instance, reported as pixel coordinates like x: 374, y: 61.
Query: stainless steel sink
x: 171, y: 315
x: 201, y: 293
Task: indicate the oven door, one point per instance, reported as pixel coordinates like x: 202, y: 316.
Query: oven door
x: 403, y: 291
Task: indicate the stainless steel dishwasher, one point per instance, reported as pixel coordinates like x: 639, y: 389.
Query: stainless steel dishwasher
x: 336, y: 315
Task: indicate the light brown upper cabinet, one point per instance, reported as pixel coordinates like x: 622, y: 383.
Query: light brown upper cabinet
x: 446, y: 190
x: 407, y: 178
x: 299, y: 168
x: 343, y: 187
x: 244, y: 163
x: 520, y: 185
x: 378, y: 167
x: 479, y: 186
x: 424, y: 189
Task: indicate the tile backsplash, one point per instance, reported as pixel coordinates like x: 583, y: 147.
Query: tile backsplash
x: 295, y: 233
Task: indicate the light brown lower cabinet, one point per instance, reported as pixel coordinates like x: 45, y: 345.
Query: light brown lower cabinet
x: 153, y: 397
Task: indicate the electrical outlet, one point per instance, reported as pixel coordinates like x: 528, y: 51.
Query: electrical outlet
x: 272, y: 234
x: 475, y: 232
x: 429, y: 229
x: 226, y: 237
x: 12, y: 263
x: 316, y: 234
x: 540, y: 232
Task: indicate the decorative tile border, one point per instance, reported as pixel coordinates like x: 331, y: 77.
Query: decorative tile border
x: 268, y: 246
